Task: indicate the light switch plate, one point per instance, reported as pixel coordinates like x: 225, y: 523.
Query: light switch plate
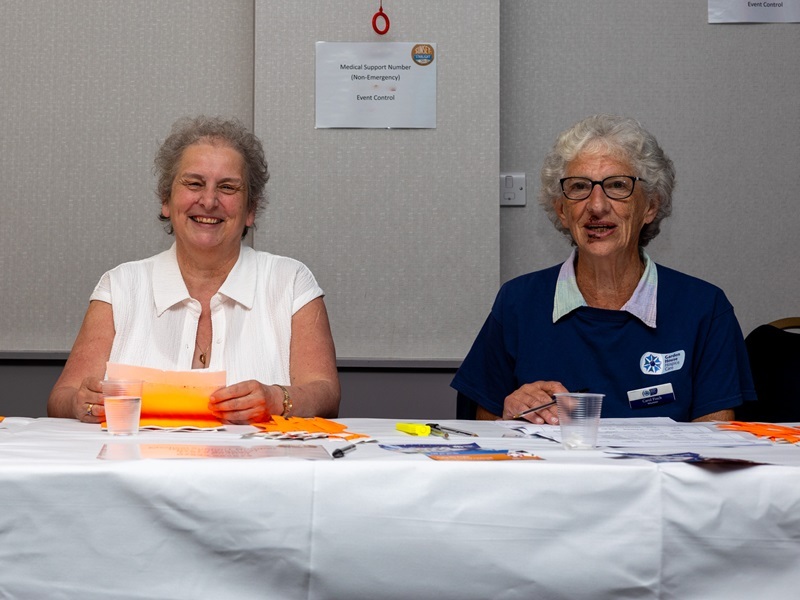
x: 513, y: 189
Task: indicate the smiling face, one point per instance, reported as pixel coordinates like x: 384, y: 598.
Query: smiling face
x: 600, y: 226
x: 207, y: 206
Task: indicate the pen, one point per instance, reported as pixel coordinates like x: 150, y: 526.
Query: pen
x: 543, y: 406
x: 340, y: 452
x: 460, y: 431
x: 436, y: 430
x: 530, y: 410
x: 452, y: 430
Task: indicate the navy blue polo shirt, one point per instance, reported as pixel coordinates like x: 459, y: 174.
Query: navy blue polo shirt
x: 696, y: 346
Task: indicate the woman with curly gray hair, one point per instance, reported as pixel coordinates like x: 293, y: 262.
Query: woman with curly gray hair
x: 655, y: 341
x: 209, y: 302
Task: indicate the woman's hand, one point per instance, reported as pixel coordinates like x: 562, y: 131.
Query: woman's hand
x: 87, y: 403
x: 532, y: 395
x: 246, y: 402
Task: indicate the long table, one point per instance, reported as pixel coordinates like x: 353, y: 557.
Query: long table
x: 380, y: 524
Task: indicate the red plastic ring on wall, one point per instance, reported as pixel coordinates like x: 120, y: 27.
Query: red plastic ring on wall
x: 375, y: 18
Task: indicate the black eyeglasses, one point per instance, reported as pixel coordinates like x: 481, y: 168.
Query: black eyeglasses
x: 616, y: 187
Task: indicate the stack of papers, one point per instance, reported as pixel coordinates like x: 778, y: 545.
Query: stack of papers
x: 471, y: 451
x: 645, y: 433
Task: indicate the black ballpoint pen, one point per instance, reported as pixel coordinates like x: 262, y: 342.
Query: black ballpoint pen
x: 340, y: 452
x: 551, y: 403
x: 436, y: 430
x: 534, y: 409
x: 451, y: 430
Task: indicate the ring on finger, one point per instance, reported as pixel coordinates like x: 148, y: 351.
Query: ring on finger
x: 89, y: 408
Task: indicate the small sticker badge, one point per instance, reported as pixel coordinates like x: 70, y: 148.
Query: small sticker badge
x: 422, y: 54
x: 653, y: 363
x: 651, y: 396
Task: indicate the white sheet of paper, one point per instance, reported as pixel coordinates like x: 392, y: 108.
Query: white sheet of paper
x: 646, y: 433
x: 744, y: 11
x: 376, y: 85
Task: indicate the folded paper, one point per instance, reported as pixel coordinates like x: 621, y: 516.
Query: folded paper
x: 173, y: 399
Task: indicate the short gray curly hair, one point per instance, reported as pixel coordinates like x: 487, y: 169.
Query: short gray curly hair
x: 191, y: 130
x: 619, y: 136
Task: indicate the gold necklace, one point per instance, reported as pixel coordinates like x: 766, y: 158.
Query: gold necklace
x: 203, y: 355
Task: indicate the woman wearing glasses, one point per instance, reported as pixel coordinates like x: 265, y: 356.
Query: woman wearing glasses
x: 609, y: 320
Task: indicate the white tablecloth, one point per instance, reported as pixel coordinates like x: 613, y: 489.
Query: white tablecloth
x: 378, y: 524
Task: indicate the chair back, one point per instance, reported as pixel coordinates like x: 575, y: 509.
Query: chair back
x: 465, y: 408
x: 774, y: 353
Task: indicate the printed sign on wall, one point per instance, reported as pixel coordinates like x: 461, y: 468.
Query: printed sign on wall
x: 376, y: 85
x: 748, y: 11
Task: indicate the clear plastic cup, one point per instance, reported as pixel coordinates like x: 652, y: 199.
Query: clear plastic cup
x: 122, y: 399
x: 579, y: 416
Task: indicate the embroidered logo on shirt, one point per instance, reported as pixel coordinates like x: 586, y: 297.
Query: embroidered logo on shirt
x: 653, y: 363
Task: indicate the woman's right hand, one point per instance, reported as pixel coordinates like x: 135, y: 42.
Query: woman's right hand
x: 87, y: 404
x: 531, y: 395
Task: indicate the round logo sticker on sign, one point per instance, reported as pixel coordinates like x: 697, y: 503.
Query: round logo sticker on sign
x: 422, y: 54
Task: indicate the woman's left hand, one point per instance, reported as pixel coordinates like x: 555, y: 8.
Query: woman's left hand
x: 314, y: 390
x: 246, y: 402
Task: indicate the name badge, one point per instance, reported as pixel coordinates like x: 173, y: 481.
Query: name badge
x: 651, y: 396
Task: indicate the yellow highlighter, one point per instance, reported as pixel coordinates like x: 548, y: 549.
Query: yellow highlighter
x: 414, y: 428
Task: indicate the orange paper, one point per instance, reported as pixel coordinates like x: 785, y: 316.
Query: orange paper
x: 776, y: 433
x: 173, y: 398
x: 310, y: 425
x: 168, y: 405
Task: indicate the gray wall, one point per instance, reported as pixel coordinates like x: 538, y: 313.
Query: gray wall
x: 89, y: 87
x: 410, y: 262
x: 401, y: 227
